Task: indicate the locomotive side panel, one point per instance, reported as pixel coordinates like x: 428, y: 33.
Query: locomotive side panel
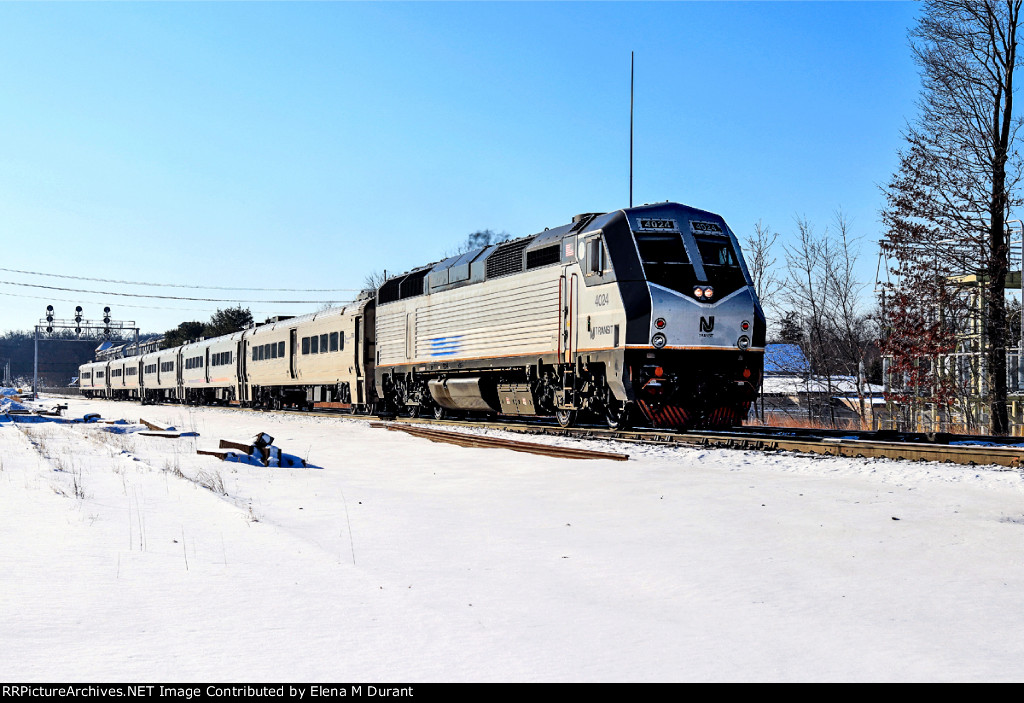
x: 510, y: 317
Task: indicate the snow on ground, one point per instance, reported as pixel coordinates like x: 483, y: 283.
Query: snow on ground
x: 391, y: 558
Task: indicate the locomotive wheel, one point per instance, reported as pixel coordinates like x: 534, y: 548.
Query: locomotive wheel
x: 618, y: 415
x: 566, y: 418
x: 440, y: 413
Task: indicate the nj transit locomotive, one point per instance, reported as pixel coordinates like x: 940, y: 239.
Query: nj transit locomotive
x: 646, y: 314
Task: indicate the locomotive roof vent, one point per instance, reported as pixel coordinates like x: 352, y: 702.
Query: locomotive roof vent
x: 582, y: 220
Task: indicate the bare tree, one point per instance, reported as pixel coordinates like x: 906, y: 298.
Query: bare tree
x: 948, y: 203
x: 824, y: 309
x: 851, y: 328
x: 761, y: 262
x: 808, y: 288
x: 373, y: 280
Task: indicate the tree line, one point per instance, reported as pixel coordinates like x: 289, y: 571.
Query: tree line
x: 942, y: 317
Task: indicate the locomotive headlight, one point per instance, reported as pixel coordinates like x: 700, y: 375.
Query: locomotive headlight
x: 698, y: 292
x: 708, y: 292
x: 743, y: 342
x: 658, y: 340
x: 660, y: 323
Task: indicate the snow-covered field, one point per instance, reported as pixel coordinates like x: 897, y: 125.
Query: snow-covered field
x: 391, y: 558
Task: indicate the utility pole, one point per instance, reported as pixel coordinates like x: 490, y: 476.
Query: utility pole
x: 631, y: 129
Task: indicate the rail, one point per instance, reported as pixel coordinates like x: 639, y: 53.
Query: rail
x: 942, y: 447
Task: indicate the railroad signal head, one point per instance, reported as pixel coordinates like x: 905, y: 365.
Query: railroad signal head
x: 106, y: 317
x: 49, y: 315
x: 78, y: 316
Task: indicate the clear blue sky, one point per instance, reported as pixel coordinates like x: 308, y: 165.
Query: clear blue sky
x: 302, y: 145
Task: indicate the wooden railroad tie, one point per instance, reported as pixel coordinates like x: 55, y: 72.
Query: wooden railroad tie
x: 156, y: 430
x: 262, y: 449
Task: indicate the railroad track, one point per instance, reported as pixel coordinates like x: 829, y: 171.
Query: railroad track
x: 949, y: 448
x: 829, y: 442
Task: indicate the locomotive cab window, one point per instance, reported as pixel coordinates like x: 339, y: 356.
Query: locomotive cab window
x: 334, y: 341
x: 665, y: 260
x: 720, y: 263
x: 717, y: 252
x: 596, y: 261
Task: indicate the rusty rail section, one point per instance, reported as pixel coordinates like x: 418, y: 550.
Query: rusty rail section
x: 967, y: 454
x: 463, y: 439
x: 1012, y: 457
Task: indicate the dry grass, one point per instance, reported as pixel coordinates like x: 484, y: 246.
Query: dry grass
x: 212, y: 481
x: 798, y: 422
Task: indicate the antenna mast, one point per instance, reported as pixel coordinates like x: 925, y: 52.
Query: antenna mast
x: 631, y: 129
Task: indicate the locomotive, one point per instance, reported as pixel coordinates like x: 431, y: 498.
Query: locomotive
x: 645, y: 314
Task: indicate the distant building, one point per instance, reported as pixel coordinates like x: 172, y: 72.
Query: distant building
x: 789, y: 388
x: 786, y: 359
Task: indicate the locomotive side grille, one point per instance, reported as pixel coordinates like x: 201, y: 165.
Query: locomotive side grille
x: 413, y: 284
x: 389, y: 291
x: 507, y: 259
x: 543, y: 257
x: 402, y: 287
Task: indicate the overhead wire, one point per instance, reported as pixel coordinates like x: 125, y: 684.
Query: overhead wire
x: 134, y: 306
x: 168, y: 297
x: 183, y: 285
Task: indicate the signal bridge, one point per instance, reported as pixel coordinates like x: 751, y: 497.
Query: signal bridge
x: 103, y: 329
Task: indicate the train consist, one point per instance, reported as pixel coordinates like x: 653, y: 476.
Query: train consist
x: 645, y: 314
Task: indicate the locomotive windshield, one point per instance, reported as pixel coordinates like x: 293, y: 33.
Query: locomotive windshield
x: 720, y: 263
x: 665, y: 260
x: 716, y: 252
